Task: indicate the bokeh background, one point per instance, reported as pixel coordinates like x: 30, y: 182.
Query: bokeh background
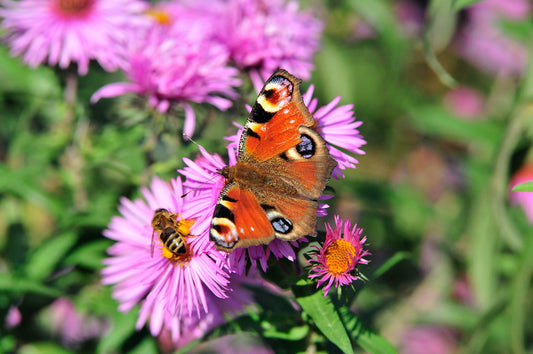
x: 444, y: 91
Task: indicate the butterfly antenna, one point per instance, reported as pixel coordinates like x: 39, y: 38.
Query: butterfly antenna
x: 201, y: 184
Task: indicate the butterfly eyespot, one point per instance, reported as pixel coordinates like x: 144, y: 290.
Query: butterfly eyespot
x: 281, y: 225
x: 306, y: 147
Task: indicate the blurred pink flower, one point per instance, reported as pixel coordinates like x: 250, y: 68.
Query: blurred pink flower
x: 483, y: 42
x: 263, y: 36
x: 61, y: 32
x: 523, y: 199
x: 335, y: 262
x: 465, y: 102
x: 70, y: 325
x: 428, y: 339
x: 176, y: 59
x: 174, y: 287
x: 13, y: 317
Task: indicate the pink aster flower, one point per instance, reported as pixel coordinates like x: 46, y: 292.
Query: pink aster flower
x: 263, y: 36
x: 202, y: 177
x: 523, y: 199
x: 61, y: 32
x: 72, y: 326
x: 13, y: 317
x: 339, y: 128
x: 164, y: 283
x: 465, y: 102
x: 177, y: 60
x: 336, y: 261
x: 484, y: 43
x: 177, y: 332
x: 429, y: 339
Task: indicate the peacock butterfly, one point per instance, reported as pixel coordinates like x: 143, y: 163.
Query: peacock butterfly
x: 283, y: 167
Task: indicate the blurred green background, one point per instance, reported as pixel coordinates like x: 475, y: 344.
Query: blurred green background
x: 432, y: 191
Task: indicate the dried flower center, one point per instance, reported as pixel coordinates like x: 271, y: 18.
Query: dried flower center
x: 340, y: 256
x: 160, y: 16
x: 75, y: 7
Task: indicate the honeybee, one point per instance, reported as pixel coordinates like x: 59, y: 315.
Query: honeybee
x: 172, y: 232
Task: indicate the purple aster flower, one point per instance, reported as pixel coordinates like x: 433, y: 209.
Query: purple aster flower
x: 60, y: 32
x: 177, y: 332
x: 202, y: 177
x: 429, y: 339
x: 338, y: 127
x: 165, y: 285
x: 177, y: 60
x: 263, y: 36
x: 336, y: 261
x: 13, y: 317
x: 465, y: 102
x: 70, y: 325
x: 483, y: 41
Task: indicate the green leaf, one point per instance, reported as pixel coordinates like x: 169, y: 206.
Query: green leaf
x: 46, y: 257
x: 436, y: 120
x: 459, y: 4
x: 123, y: 327
x: 89, y: 255
x: 293, y: 334
x: 324, y: 314
x: 42, y: 348
x: 21, y: 286
x: 391, y: 262
x: 368, y: 340
x: 524, y: 187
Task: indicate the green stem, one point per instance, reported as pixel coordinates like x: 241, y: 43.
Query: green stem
x: 499, y: 181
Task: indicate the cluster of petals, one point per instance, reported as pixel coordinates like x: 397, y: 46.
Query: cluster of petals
x: 61, y: 32
x: 484, y: 43
x: 165, y: 289
x: 265, y: 35
x: 177, y: 61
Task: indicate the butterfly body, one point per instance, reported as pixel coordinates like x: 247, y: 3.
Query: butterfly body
x: 283, y: 167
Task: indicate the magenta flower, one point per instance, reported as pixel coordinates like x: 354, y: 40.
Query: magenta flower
x: 177, y: 60
x: 338, y: 127
x: 13, y: 317
x: 429, y: 339
x: 484, y: 43
x: 465, y: 102
x: 523, y: 199
x: 202, y: 176
x: 336, y: 261
x: 177, y: 332
x: 165, y: 285
x: 263, y: 36
x: 72, y: 326
x: 61, y: 32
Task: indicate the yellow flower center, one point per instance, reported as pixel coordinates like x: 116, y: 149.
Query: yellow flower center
x: 339, y: 257
x: 160, y: 16
x: 75, y: 7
